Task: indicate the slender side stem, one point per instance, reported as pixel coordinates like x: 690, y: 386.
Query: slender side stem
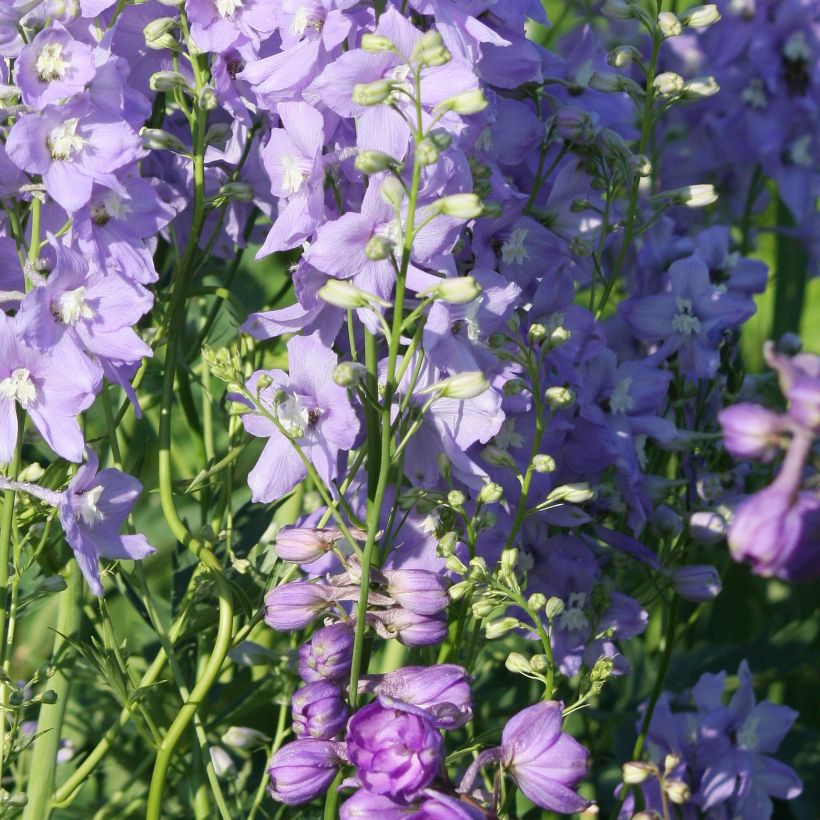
x: 50, y: 721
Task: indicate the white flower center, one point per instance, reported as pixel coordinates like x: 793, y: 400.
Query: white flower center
x: 471, y: 320
x: 64, y: 140
x: 573, y: 618
x: 754, y: 95
x: 89, y: 512
x: 50, y: 64
x: 621, y: 401
x: 19, y: 387
x: 72, y: 306
x: 227, y: 8
x: 513, y: 251
x: 796, y: 47
x: 293, y: 177
x: 685, y: 322
x: 294, y: 417
x: 300, y: 22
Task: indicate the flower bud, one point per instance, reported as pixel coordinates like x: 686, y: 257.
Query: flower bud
x: 328, y: 654
x: 617, y: 10
x: 343, y: 294
x: 490, y: 493
x: 418, y: 590
x: 378, y: 247
x: 636, y: 772
x: 430, y: 50
x: 462, y: 386
x: 373, y: 162
x: 501, y: 626
x: 575, y: 125
x: 348, y: 374
x: 303, y: 545
x: 302, y: 770
x: 457, y: 290
x: 559, y: 397
x: 677, y: 791
x: 426, y: 152
x: 243, y: 737
x: 375, y: 93
x: 207, y: 99
x: 571, y: 494
x: 537, y: 601
x: 508, y: 559
x: 606, y: 82
x: 668, y: 84
x: 537, y: 332
x: 158, y: 35
x: 441, y: 138
x: 623, y: 56
x: 456, y: 565
x: 468, y: 102
x: 294, y: 605
x: 553, y: 608
x: 237, y: 191
x: 700, y: 16
x: 559, y: 336
x: 447, y: 544
x: 517, y: 664
x: 669, y: 762
x: 167, y: 81
x: 376, y: 43
x: 669, y: 25
x: 223, y: 764
x: 392, y: 192
x: 701, y: 87
x: 692, y: 196
x: 482, y: 608
x: 409, y: 628
x: 698, y: 583
x: 640, y: 165
x: 498, y: 457
x: 459, y: 590
x: 218, y: 134
x: 459, y: 206
x: 612, y: 144
x: 156, y: 139
x: 318, y: 710
x: 456, y: 498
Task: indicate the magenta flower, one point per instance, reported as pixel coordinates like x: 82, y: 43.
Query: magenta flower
x: 395, y: 748
x: 92, y: 512
x: 316, y: 414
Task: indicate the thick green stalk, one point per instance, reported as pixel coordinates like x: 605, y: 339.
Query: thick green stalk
x: 50, y: 721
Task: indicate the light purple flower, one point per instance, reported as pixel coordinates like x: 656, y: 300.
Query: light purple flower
x: 751, y: 431
x: 318, y: 710
x: 93, y: 509
x: 395, y: 748
x: 303, y: 769
x: 315, y: 412
x: 328, y: 654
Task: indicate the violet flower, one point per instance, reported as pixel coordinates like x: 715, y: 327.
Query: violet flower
x: 318, y: 710
x: 395, y: 748
x: 303, y: 769
x: 92, y: 512
x: 328, y: 654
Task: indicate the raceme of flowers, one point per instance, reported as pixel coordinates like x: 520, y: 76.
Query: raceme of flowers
x: 519, y: 277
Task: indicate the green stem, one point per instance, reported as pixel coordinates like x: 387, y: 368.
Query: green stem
x: 50, y: 721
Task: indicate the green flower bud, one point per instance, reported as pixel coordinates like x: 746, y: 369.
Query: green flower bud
x: 517, y: 664
x: 376, y: 44
x: 700, y: 16
x: 669, y: 25
x: 677, y: 791
x: 447, y: 544
x: 426, y: 152
x: 543, y: 463
x: 392, y: 192
x: 373, y: 162
x: 571, y: 494
x: 468, y: 102
x: 482, y: 608
x: 636, y: 772
x: 455, y: 564
x: 167, y: 81
x: 158, y: 35
x: 375, y: 93
x: 559, y: 398
x: 460, y: 206
x: 456, y: 498
x: 430, y: 50
x: 343, y: 294
x: 668, y: 84
x: 348, y: 374
x: 537, y: 601
x: 490, y: 493
x: 540, y: 664
x: 501, y: 626
x: 701, y: 87
x: 156, y: 139
x: 238, y: 191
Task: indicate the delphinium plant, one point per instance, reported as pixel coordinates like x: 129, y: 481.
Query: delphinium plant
x: 376, y: 420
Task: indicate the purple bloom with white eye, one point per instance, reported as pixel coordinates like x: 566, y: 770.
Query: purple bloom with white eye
x: 52, y: 387
x: 328, y: 654
x: 93, y: 309
x: 217, y: 24
x: 72, y: 147
x: 395, y: 747
x: 456, y: 337
x: 318, y: 710
x: 303, y: 769
x: 688, y: 318
x: 443, y: 691
x: 92, y: 512
x: 292, y: 158
x: 116, y: 226
x: 315, y: 413
x: 54, y: 66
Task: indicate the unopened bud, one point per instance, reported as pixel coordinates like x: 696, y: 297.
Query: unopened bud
x: 49, y: 697
x: 553, y: 608
x: 455, y: 564
x: 501, y: 626
x: 430, y: 50
x: 537, y: 332
x: 238, y: 191
x: 490, y: 493
x: 373, y: 162
x: 167, y: 81
x: 456, y: 498
x: 462, y: 386
x: 376, y: 44
x: 156, y: 139
x: 571, y: 494
x: 604, y: 81
x: 640, y: 165
x: 617, y: 10
x: 426, y: 152
x: 559, y: 336
x: 623, y: 56
x: 375, y: 93
x: 701, y: 87
x: 459, y: 590
x: 540, y: 663
x: 508, y: 560
x: 207, y: 99
x: 482, y: 608
x: 670, y: 761
x: 559, y: 397
x: 677, y: 791
x: 668, y: 84
x: 459, y: 206
x: 498, y: 457
x: 537, y: 601
x: 692, y: 196
x: 343, y: 294
x: 514, y: 387
x: 456, y: 291
x: 669, y: 25
x: 517, y: 664
x: 218, y: 134
x: 636, y: 772
x: 378, y: 247
x: 348, y: 374
x: 447, y: 544
x: 441, y: 138
x: 468, y: 102
x: 700, y: 16
x: 158, y: 35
